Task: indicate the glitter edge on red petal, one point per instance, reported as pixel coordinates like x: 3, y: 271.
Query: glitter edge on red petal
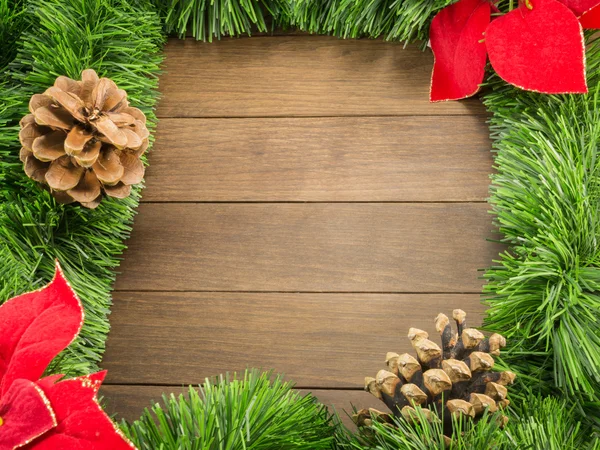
x: 578, y: 11
x: 566, y: 92
x: 590, y: 19
x: 582, y: 37
x: 96, y: 380
x: 447, y: 99
x: 92, y: 381
x: 49, y: 407
x: 24, y: 395
x: 58, y: 277
x: 57, y: 272
x: 478, y: 88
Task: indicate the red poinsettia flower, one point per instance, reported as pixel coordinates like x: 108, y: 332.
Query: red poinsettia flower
x: 538, y: 46
x: 48, y: 414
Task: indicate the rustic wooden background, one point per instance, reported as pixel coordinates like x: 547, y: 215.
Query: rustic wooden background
x: 305, y: 206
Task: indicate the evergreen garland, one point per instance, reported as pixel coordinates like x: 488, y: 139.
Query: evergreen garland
x: 62, y: 37
x: 205, y: 19
x: 230, y: 413
x: 542, y: 292
x: 545, y: 424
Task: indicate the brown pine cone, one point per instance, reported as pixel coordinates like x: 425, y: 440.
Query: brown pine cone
x: 82, y: 140
x: 456, y: 379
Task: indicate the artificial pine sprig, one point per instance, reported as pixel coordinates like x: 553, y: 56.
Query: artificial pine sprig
x: 544, y: 424
x: 63, y: 38
x: 543, y: 292
x: 251, y: 412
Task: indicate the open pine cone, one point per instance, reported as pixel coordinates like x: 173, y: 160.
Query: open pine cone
x: 83, y: 140
x: 453, y: 380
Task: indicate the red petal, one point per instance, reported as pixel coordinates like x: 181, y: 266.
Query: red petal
x: 579, y: 6
x: 82, y: 424
x: 25, y: 413
x: 539, y: 50
x: 456, y: 33
x: 591, y: 18
x: 36, y: 327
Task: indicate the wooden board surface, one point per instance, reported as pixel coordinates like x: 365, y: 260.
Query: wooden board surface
x: 128, y: 402
x: 317, y: 340
x: 325, y: 159
x: 305, y: 206
x: 339, y: 247
x: 299, y: 76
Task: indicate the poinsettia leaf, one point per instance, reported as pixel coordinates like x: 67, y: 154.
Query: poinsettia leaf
x: 539, y: 49
x: 25, y: 414
x: 456, y: 36
x: 81, y: 422
x: 580, y: 6
x: 591, y: 19
x: 36, y: 327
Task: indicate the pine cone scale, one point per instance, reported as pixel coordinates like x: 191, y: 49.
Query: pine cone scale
x: 36, y: 169
x: 111, y: 131
x: 133, y: 169
x: 39, y: 101
x: 119, y: 190
x: 88, y: 188
x: 77, y: 140
x: 53, y: 117
x: 70, y: 102
x: 88, y: 157
x: 50, y: 146
x: 108, y: 168
x: 63, y: 175
x: 68, y: 85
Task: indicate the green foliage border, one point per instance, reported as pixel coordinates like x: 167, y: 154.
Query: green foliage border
x: 542, y: 292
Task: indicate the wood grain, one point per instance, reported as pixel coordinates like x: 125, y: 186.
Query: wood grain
x: 386, y: 247
x: 319, y: 291
x: 128, y: 402
x: 299, y: 76
x: 317, y: 340
x: 325, y: 159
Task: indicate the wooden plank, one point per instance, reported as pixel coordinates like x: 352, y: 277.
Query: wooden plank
x: 316, y: 340
x: 299, y: 76
x: 356, y: 247
x: 128, y: 402
x: 326, y: 159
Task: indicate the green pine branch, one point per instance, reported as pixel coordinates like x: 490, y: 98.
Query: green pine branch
x: 422, y: 434
x: 205, y: 19
x: 546, y: 424
x: 399, y: 20
x: 253, y: 412
x: 544, y: 291
x: 121, y: 41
